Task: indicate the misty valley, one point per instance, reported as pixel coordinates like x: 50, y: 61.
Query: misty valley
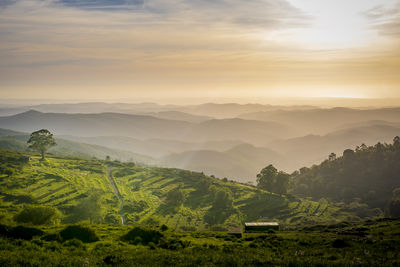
x: 97, y: 184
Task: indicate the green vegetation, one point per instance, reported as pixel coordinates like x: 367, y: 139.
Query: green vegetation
x: 179, y: 217
x: 270, y: 179
x: 82, y: 233
x: 38, y: 215
x: 18, y: 141
x: 365, y: 179
x: 373, y: 243
x: 41, y: 141
x: 79, y: 188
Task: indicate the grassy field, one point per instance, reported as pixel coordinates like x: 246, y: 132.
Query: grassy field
x: 67, y: 182
x: 374, y: 243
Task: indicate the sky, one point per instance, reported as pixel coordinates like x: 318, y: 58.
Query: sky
x: 253, y: 50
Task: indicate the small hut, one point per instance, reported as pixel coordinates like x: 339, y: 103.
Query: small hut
x: 260, y: 226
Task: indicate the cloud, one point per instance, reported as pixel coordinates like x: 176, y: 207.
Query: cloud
x: 174, y: 44
x: 385, y: 19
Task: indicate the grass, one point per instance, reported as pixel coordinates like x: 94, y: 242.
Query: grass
x: 374, y: 243
x: 65, y: 182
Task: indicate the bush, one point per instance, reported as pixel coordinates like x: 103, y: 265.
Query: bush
x: 175, y: 197
x: 164, y: 228
x: 139, y: 206
x: 151, y: 221
x: 82, y: 233
x: 143, y: 236
x: 27, y: 233
x: 174, y: 244
x: 340, y: 243
x: 76, y: 243
x: 20, y: 232
x: 38, y: 215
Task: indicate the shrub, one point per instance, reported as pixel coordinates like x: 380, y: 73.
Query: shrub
x: 38, y: 215
x: 339, y: 243
x: 82, y: 233
x: 76, y: 243
x: 20, y: 232
x: 174, y: 244
x: 151, y: 221
x: 137, y: 206
x: 175, y: 197
x: 143, y: 236
x: 164, y: 228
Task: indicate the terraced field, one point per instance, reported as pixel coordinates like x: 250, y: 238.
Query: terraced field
x: 81, y: 190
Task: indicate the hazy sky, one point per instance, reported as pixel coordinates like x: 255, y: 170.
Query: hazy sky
x: 255, y: 49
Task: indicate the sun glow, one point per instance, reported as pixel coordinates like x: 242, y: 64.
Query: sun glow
x: 334, y: 24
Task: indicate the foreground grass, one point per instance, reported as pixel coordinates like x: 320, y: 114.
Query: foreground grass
x: 375, y: 243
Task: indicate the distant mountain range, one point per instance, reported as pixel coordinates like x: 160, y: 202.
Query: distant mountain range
x: 229, y: 110
x: 240, y: 163
x: 237, y: 148
x: 323, y: 121
x: 146, y: 127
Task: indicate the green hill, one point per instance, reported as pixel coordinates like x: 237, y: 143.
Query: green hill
x: 80, y: 188
x: 368, y: 175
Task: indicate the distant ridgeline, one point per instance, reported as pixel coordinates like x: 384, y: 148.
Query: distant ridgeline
x: 368, y: 175
x: 80, y: 190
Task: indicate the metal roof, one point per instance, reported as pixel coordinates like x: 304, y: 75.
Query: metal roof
x: 261, y: 224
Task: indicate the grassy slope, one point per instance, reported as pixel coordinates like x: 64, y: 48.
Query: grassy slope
x: 64, y: 181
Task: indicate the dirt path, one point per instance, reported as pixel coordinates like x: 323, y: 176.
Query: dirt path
x: 117, y: 194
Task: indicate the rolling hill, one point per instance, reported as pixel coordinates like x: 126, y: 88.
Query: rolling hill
x: 81, y: 189
x: 323, y: 121
x: 369, y: 175
x: 145, y: 127
x: 153, y: 147
x: 240, y: 163
x: 311, y: 149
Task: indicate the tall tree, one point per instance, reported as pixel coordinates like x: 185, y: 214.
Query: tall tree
x: 41, y: 141
x: 270, y: 179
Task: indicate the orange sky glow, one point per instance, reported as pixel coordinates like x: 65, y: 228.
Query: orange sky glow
x: 180, y: 49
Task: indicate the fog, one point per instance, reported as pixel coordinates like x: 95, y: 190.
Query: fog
x: 226, y: 140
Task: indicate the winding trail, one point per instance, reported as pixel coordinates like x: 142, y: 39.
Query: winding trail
x: 117, y: 194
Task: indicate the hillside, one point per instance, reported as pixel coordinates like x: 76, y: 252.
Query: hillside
x: 369, y: 175
x: 318, y: 147
x: 81, y: 190
x: 17, y: 140
x: 153, y: 147
x: 322, y: 121
x: 240, y: 163
x: 146, y: 127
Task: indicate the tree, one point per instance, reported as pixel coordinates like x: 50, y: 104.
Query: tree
x: 396, y: 142
x: 89, y: 208
x: 265, y: 179
x: 270, y: 179
x: 41, y: 141
x: 332, y: 156
x: 175, y: 197
x: 223, y: 199
x: 38, y: 215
